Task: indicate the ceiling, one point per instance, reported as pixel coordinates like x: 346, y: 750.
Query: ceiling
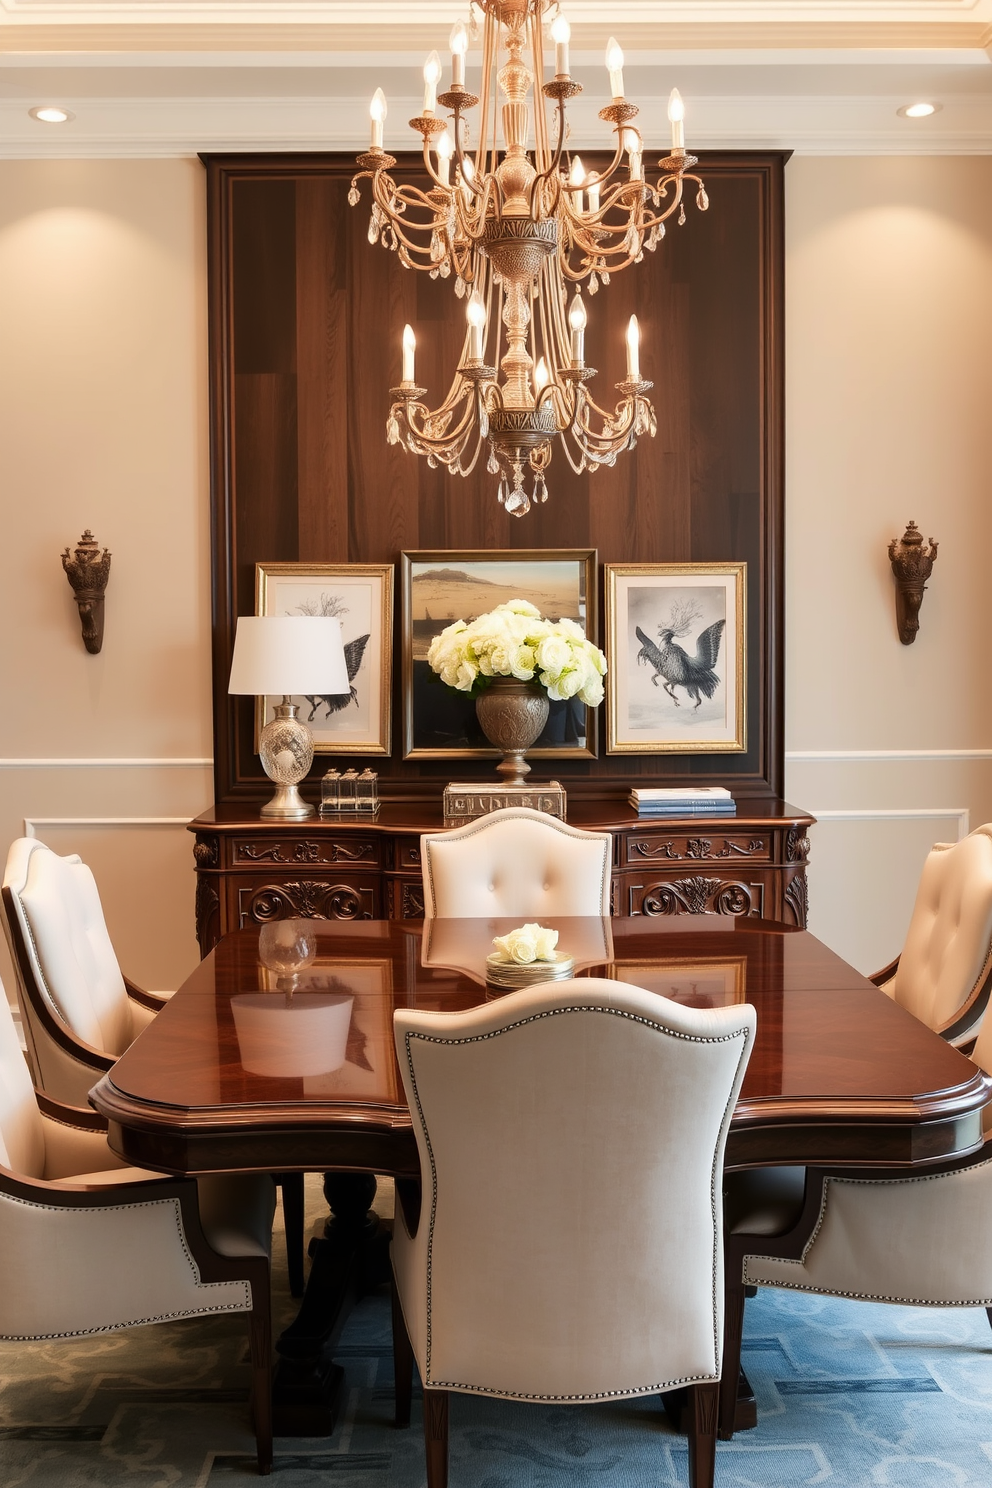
x: 168, y: 77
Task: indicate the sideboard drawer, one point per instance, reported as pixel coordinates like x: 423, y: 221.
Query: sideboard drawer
x: 306, y: 896
x: 642, y: 848
x: 306, y: 851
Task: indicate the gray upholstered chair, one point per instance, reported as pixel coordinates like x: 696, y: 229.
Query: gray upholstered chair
x: 569, y: 1244
x: 944, y: 973
x: 516, y: 862
x: 920, y: 1241
x: 88, y: 1245
x: 78, y: 1011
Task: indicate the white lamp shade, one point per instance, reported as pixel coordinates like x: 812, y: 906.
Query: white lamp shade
x: 288, y: 654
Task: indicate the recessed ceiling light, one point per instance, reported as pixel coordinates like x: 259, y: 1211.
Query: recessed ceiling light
x: 919, y: 110
x: 51, y: 115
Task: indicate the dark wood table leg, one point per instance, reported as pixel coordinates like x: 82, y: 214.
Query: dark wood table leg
x: 349, y: 1259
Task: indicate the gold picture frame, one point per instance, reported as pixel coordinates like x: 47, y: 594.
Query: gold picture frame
x: 660, y: 697
x: 442, y: 585
x: 361, y: 594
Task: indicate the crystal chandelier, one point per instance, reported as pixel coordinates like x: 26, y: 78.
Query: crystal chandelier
x: 516, y: 228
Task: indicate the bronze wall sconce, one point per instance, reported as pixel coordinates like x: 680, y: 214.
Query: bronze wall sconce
x: 88, y: 571
x: 912, y: 563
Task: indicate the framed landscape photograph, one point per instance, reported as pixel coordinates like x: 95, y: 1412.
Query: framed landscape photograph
x: 360, y: 595
x: 675, y: 647
x: 439, y: 587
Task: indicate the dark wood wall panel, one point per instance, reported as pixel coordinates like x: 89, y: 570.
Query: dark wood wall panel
x: 306, y: 318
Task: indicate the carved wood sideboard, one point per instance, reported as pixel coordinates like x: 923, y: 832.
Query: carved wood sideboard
x: 250, y: 871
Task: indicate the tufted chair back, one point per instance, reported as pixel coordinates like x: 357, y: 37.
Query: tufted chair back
x: 67, y: 962
x: 516, y: 862
x: 583, y: 1100
x: 947, y: 958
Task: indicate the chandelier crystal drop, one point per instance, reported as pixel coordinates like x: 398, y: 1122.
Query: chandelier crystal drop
x: 522, y: 229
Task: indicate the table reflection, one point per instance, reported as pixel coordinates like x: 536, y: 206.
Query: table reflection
x: 463, y: 945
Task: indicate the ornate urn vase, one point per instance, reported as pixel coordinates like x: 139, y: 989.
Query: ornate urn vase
x: 512, y: 715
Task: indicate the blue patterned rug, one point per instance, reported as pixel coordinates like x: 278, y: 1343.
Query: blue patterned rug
x: 854, y: 1395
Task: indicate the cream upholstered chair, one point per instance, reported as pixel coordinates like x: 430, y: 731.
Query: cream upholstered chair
x: 541, y: 1118
x: 944, y: 974
x: 88, y: 1245
x: 920, y: 1241
x: 516, y: 862
x: 78, y: 1011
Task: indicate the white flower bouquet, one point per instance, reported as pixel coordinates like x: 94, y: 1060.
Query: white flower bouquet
x: 513, y: 641
x: 527, y: 944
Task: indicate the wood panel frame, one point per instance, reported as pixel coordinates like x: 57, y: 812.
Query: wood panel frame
x: 371, y: 520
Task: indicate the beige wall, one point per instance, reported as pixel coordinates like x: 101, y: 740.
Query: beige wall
x: 889, y: 391
x: 103, y: 398
x: 103, y: 406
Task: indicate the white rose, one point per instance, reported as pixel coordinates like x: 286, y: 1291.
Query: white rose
x: 466, y: 676
x: 523, y: 663
x: 527, y: 944
x: 546, y: 941
x: 570, y: 628
x: 553, y: 653
x: 521, y: 607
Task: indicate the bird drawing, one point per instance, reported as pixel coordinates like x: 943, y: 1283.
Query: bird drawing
x: 333, y: 605
x: 676, y: 667
x: 353, y: 653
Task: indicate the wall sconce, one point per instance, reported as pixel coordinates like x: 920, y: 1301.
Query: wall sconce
x: 911, y: 563
x: 88, y: 572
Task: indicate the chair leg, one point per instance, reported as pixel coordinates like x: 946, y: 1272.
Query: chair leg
x: 260, y: 1348
x: 402, y: 1362
x: 436, y: 1437
x: 292, y: 1213
x: 703, y: 1405
x: 988, y: 1314
x: 733, y: 1332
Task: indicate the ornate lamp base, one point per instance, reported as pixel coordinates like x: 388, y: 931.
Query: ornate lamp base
x: 285, y: 748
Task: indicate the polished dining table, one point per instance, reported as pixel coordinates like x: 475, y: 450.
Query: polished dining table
x: 247, y: 1069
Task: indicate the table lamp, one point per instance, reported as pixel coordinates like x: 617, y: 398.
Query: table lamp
x: 287, y: 654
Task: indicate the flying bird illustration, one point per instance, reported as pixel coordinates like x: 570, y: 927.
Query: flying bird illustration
x: 675, y: 666
x: 353, y: 653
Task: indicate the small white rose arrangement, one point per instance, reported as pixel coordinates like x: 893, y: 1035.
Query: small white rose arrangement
x: 513, y: 641
x: 529, y: 943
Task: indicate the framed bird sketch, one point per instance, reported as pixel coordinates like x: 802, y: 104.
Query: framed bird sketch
x: 441, y: 586
x: 360, y: 595
x: 675, y: 647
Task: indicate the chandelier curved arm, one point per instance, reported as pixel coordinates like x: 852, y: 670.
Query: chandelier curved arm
x: 537, y: 185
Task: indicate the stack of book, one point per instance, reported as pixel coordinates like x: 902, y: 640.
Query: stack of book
x: 703, y: 800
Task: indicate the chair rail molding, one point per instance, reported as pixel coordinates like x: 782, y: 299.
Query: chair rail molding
x: 881, y: 756
x: 140, y: 762
x: 32, y: 823
x: 899, y: 813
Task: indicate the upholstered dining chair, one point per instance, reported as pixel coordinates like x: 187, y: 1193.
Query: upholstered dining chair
x: 943, y: 974
x: 88, y: 1245
x: 516, y: 862
x: 78, y: 1011
x: 540, y: 1118
x: 917, y: 1240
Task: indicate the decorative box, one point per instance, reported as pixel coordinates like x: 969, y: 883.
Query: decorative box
x: 465, y: 803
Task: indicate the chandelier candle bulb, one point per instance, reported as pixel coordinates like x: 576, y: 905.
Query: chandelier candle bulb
x: 409, y: 352
x: 577, y: 324
x: 541, y: 376
x: 633, y: 350
x: 576, y: 178
x: 432, y: 75
x: 377, y: 112
x: 561, y: 33
x: 632, y: 144
x: 445, y: 150
x: 458, y: 42
x: 676, y: 113
x: 614, y: 63
x: 476, y: 313
x: 592, y: 192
